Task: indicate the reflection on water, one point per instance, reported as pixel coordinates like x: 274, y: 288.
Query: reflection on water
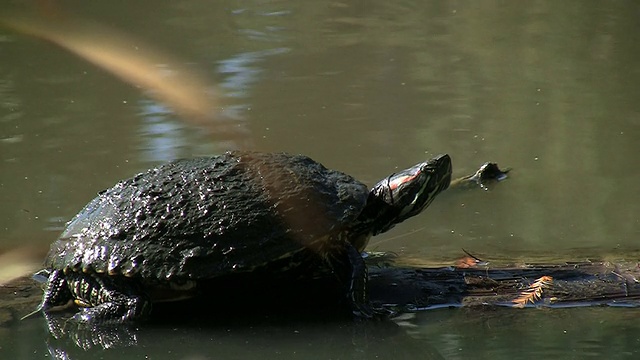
x: 274, y: 340
x: 163, y: 138
x: 163, y: 135
x: 241, y: 72
x: 439, y: 334
x: 547, y: 88
x: 531, y: 334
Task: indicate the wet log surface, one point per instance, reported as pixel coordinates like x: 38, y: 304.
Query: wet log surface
x: 586, y: 283
x: 18, y: 298
x: 396, y: 284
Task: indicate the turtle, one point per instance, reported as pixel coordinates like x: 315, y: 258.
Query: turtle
x: 161, y: 234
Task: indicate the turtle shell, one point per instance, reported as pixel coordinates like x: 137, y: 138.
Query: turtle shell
x: 206, y: 217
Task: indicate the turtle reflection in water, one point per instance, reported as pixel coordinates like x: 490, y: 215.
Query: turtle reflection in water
x: 156, y: 236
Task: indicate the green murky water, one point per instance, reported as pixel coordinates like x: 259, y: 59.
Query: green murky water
x: 547, y: 88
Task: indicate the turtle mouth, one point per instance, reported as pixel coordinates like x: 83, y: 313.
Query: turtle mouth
x: 440, y: 170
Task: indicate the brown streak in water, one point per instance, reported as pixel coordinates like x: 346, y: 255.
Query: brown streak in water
x: 129, y: 59
x: 19, y: 262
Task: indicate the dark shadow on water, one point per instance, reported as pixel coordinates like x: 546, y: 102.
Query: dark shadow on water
x: 259, y: 319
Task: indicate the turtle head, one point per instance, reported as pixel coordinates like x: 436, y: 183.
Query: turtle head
x: 408, y: 192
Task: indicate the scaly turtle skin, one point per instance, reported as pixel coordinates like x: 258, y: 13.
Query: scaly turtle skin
x: 160, y: 234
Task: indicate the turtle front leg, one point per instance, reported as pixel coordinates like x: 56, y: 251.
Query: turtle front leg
x: 105, y: 300
x: 355, y: 278
x: 56, y: 292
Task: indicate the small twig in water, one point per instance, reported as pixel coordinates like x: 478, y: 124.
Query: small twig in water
x: 470, y: 261
x: 534, y: 292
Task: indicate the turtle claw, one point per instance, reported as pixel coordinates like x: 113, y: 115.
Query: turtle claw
x: 34, y: 312
x: 363, y: 311
x: 369, y: 312
x: 82, y: 317
x: 83, y: 335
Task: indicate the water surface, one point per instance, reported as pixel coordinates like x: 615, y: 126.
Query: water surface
x: 547, y: 88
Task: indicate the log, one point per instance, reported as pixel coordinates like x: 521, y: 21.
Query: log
x: 587, y: 283
x: 397, y: 284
